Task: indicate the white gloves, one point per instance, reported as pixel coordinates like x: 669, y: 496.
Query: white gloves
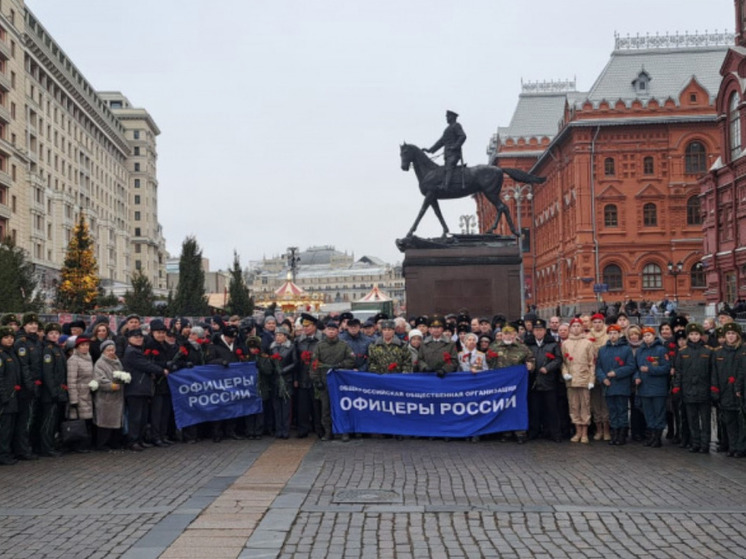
x: 567, y: 377
x: 93, y: 385
x: 590, y: 386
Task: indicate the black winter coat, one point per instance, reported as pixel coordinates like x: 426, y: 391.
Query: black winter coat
x: 53, y: 374
x: 694, y: 374
x: 143, y: 371
x: 28, y: 348
x: 542, y: 382
x: 10, y: 377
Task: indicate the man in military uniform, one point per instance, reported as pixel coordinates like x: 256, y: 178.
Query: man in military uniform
x: 309, y: 415
x: 330, y: 353
x: 388, y: 354
x: 437, y: 353
x: 452, y: 139
x: 508, y: 352
x: 10, y: 320
x: 10, y: 385
x: 28, y: 346
x: 358, y: 341
x: 53, y: 388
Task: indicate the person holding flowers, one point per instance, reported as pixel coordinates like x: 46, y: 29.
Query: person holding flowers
x: 651, y: 379
x: 470, y: 359
x: 579, y: 374
x: 615, y: 366
x: 107, y: 385
x: 282, y: 354
x: 727, y: 360
x: 389, y: 354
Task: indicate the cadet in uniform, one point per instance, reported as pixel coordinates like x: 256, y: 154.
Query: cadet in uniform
x: 726, y: 364
x: 10, y: 386
x: 53, y: 388
x: 28, y: 347
x: 330, y: 353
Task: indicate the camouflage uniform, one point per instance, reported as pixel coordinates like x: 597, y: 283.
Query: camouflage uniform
x: 393, y: 357
x: 329, y: 354
x: 501, y: 355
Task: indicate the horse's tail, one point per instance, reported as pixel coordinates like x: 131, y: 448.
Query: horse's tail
x: 523, y: 176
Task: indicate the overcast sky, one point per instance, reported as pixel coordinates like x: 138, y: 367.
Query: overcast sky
x: 281, y: 120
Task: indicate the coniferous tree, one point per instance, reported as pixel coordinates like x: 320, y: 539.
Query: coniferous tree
x: 190, y: 298
x: 241, y: 302
x: 141, y: 299
x: 17, y: 282
x: 78, y: 287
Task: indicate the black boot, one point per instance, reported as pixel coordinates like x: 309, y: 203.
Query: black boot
x: 657, y: 439
x: 622, y: 438
x: 649, y: 434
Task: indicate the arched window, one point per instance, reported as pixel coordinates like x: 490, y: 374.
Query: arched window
x: 649, y: 215
x: 695, y: 158
x: 734, y: 126
x: 648, y: 166
x: 609, y: 167
x: 611, y: 216
x: 651, y: 277
x: 693, y: 211
x: 697, y: 276
x: 613, y: 277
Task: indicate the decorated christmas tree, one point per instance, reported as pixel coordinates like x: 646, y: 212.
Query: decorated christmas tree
x: 78, y: 287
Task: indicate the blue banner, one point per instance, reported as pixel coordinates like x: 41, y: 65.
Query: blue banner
x: 461, y: 404
x: 214, y: 392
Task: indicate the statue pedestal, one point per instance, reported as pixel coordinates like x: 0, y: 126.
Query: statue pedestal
x: 479, y: 273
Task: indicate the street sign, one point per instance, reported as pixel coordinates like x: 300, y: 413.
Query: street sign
x: 600, y: 287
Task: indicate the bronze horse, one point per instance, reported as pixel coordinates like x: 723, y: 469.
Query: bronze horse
x: 466, y: 181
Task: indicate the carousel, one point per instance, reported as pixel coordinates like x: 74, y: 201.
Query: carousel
x: 292, y: 299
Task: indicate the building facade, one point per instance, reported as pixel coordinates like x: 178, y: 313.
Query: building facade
x: 724, y: 186
x: 620, y: 205
x: 334, y: 277
x: 64, y: 152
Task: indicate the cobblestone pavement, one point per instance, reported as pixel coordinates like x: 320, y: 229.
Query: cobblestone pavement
x: 380, y: 498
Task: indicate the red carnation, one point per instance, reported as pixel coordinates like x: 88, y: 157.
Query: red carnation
x: 306, y: 357
x: 676, y: 390
x: 714, y: 389
x: 491, y: 354
x: 239, y: 352
x: 569, y: 358
x: 37, y: 382
x: 651, y: 358
x: 254, y: 351
x: 671, y: 353
x: 156, y: 352
x: 465, y: 358
x: 591, y: 339
x: 446, y: 357
x: 63, y: 386
x: 276, y: 356
x: 315, y: 364
x: 567, y: 355
x: 393, y: 366
x: 17, y: 388
x: 731, y: 380
x: 183, y: 350
x: 148, y: 352
x: 549, y: 355
x: 672, y: 345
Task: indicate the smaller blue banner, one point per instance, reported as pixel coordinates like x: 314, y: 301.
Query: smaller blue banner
x: 213, y: 393
x: 461, y: 404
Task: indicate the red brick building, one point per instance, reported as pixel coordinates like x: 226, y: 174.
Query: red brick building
x: 724, y: 187
x: 621, y: 200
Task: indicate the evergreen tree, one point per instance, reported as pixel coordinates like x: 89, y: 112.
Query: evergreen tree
x: 190, y: 298
x: 17, y: 282
x: 240, y: 301
x: 141, y: 299
x: 78, y: 287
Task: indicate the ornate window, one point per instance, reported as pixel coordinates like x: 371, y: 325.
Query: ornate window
x: 613, y: 277
x: 609, y: 167
x: 693, y: 211
x: 734, y: 126
x: 695, y: 158
x: 649, y: 215
x: 611, y: 216
x: 697, y: 276
x: 652, y: 277
x: 648, y: 166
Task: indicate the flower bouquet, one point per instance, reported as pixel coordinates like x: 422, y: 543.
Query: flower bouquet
x: 123, y: 377
x: 93, y: 385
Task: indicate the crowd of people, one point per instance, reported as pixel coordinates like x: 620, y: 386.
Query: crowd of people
x: 597, y: 377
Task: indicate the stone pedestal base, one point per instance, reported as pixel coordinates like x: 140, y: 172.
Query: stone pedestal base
x: 479, y: 273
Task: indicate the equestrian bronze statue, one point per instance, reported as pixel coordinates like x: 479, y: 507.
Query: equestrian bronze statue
x: 464, y: 182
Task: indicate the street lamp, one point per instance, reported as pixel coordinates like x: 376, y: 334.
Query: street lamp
x: 675, y: 270
x: 467, y: 222
x: 293, y: 261
x: 518, y: 192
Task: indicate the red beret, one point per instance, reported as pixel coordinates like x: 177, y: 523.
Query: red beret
x: 598, y: 316
x: 574, y: 320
